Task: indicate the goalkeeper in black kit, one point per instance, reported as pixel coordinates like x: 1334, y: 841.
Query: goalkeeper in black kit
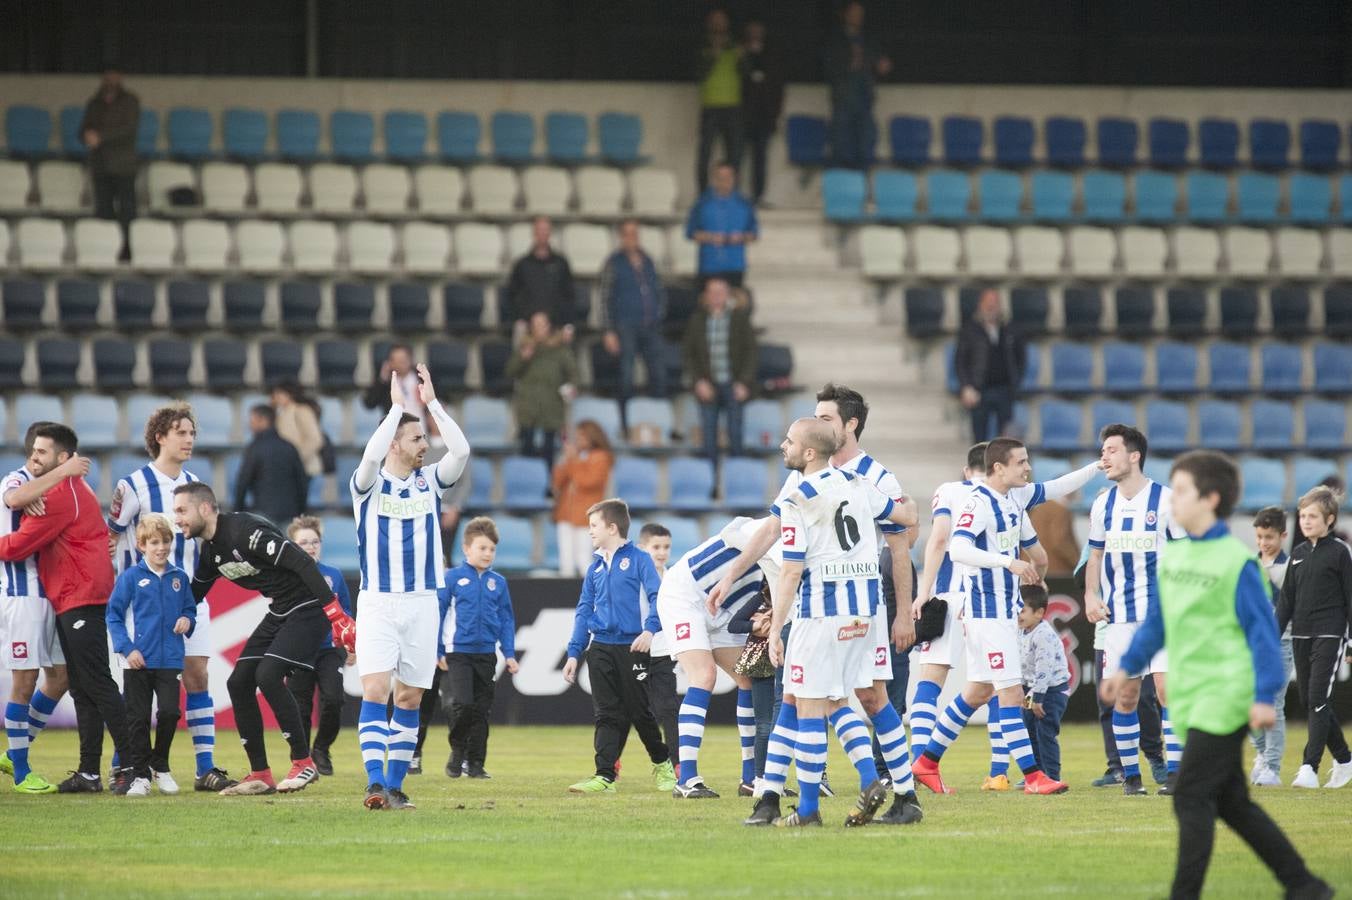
x: 249, y: 551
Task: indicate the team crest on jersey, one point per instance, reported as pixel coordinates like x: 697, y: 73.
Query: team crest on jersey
x: 624, y: 565
x: 995, y: 660
x: 19, y: 650
x: 796, y: 674
x: 1151, y: 518
x: 789, y: 535
x: 492, y: 584
x: 421, y: 483
x: 178, y: 585
x: 683, y: 631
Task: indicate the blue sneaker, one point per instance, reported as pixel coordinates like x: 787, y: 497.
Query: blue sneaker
x: 1159, y: 771
x: 1109, y: 778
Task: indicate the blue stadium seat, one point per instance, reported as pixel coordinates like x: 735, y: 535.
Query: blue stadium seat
x: 1072, y: 369
x: 1001, y: 195
x: 1309, y: 471
x: 1219, y: 422
x: 1186, y: 309
x: 1105, y: 196
x: 297, y: 134
x: 686, y: 535
x: 549, y: 550
x: 353, y: 304
x: 1239, y: 312
x: 895, y: 195
x: 1117, y: 140
x: 513, y: 135
x: 1083, y: 305
x: 1123, y: 368
x: 1107, y: 412
x: 1208, y: 197
x: 458, y: 135
x: 1064, y: 138
x: 1028, y: 310
x: 1320, y: 141
x: 744, y: 484
x: 347, y: 464
x: 493, y: 357
x: 77, y: 304
x: 1264, y: 483
x: 963, y: 137
x: 351, y: 135
x: 1157, y: 467
x: 1273, y: 425
x: 96, y: 418
x: 148, y: 134
x: 244, y: 302
x: 762, y: 425
x: 621, y: 137
x: 245, y: 133
x: 1338, y: 311
x: 924, y: 311
x: 1282, y: 368
x: 1290, y: 306
x: 114, y: 363
x: 1135, y: 304
x: 1231, y: 368
x: 224, y: 363
x: 1345, y: 210
x: 1167, y: 422
x: 189, y: 133
x: 215, y: 419
x: 133, y: 304
x: 28, y: 130
x: 336, y: 365
x: 30, y: 408
x: 480, y: 483
x: 12, y: 354
x: 1053, y: 196
x: 22, y: 299
x: 1311, y: 198
x: 910, y: 138
x: 1325, y: 425
x: 1168, y: 139
x: 1156, y: 197
x: 1333, y: 369
x: 340, y: 543
x: 188, y: 304
x: 58, y: 361
x: 1269, y: 144
x: 635, y: 479
x: 487, y: 422
x: 1013, y: 141
x: 1032, y: 369
x: 949, y: 194
x: 603, y: 412
x: 844, y: 193
x: 566, y: 136
x: 281, y: 361
x: 806, y: 137
x: 405, y: 135
x: 409, y: 304
x: 690, y: 482
x: 1258, y: 196
x: 72, y: 144
x: 1219, y: 143
x: 652, y: 412
x: 525, y: 479
x: 516, y: 549
x: 169, y: 362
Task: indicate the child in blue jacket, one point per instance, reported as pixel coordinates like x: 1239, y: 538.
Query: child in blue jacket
x: 476, y: 619
x: 152, y: 607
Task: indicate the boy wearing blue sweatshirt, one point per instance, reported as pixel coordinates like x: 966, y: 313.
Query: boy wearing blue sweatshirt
x: 152, y: 607
x: 476, y: 619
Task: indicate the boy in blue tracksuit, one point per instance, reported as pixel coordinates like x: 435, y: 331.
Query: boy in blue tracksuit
x: 615, y: 622
x: 152, y: 607
x: 476, y: 619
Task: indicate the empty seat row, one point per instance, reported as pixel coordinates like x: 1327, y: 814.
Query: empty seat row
x: 947, y: 195
x: 295, y: 134
x: 1065, y: 139
x: 1037, y: 251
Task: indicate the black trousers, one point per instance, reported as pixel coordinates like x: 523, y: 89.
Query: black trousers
x: 619, y: 700
x: 1147, y: 710
x: 83, y: 634
x: 327, y: 676
x: 538, y: 442
x: 901, y: 671
x: 469, y: 696
x: 115, y: 198
x: 757, y: 142
x: 720, y: 122
x: 142, y: 687
x: 663, y: 701
x: 1212, y: 782
x: 1317, y: 661
x: 992, y: 415
x: 277, y: 647
x: 427, y: 708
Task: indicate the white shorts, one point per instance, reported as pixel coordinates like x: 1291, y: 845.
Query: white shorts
x: 993, y: 652
x: 29, y: 631
x: 878, y: 667
x: 1117, y: 640
x: 828, y: 658
x: 199, y: 642
x: 686, y: 624
x: 398, y: 633
x: 946, y: 649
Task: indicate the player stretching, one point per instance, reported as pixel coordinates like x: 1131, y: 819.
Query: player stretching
x: 1128, y: 526
x: 397, y: 503
x: 991, y: 528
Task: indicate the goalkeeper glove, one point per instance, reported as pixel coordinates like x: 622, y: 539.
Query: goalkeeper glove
x: 344, y: 626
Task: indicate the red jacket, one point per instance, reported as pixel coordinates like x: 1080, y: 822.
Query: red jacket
x: 72, y: 540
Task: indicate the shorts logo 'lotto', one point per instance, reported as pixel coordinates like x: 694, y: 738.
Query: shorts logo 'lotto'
x: 995, y: 660
x: 880, y: 656
x: 796, y: 674
x: 19, y: 649
x: 683, y: 631
x: 789, y: 535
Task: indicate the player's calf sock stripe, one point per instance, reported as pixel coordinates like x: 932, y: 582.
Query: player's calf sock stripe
x: 924, y: 710
x: 896, y: 752
x: 1017, y: 740
x: 403, y: 741
x: 854, y: 737
x: 947, y: 726
x: 690, y: 730
x: 779, y: 752
x: 201, y: 719
x: 40, y: 710
x: 1127, y: 736
x: 995, y: 731
x: 1173, y: 748
x: 811, y: 757
x: 16, y: 730
x: 746, y: 731
x: 373, y: 735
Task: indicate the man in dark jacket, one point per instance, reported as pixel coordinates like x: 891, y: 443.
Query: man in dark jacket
x: 108, y: 129
x: 720, y: 358
x: 634, y: 303
x: 541, y: 281
x: 989, y: 363
x: 762, y: 102
x: 852, y: 65
x: 271, y: 472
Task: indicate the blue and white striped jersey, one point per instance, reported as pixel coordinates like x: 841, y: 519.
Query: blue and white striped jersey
x: 1131, y: 532
x: 399, y: 532
x: 951, y: 578
x: 997, y: 523
x: 865, y: 467
x: 149, y: 490
x: 823, y: 524
x: 710, y: 561
x: 20, y: 577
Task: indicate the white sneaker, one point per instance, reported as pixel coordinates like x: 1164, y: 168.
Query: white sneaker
x: 1259, y: 767
x: 1267, y: 778
x: 166, y: 783
x: 1307, y: 777
x: 1341, y: 775
x: 140, y: 787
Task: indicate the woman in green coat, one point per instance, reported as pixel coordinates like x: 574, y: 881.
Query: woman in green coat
x: 543, y: 370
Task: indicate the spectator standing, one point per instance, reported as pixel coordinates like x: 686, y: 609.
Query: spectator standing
x: 298, y: 424
x: 989, y: 361
x: 111, y: 119
x: 271, y: 480
x: 853, y: 64
x: 720, y: 358
x: 543, y: 372
x: 398, y: 364
x: 762, y: 102
x: 634, y: 302
x: 580, y: 480
x: 541, y: 281
x: 722, y: 222
x: 720, y: 93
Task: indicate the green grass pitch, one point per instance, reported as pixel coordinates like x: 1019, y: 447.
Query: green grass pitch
x: 521, y: 834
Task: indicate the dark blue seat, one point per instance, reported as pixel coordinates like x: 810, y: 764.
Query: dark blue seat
x: 28, y: 130
x: 691, y: 482
x: 1219, y: 422
x: 1028, y: 310
x: 1290, y: 305
x: 924, y: 312
x: 336, y: 365
x: 1117, y: 140
x: 1061, y: 423
x: 1175, y: 368
x: 636, y: 479
x: 1259, y: 194
x: 1231, y: 368
x: 133, y: 305
x: 1282, y: 368
x: 464, y: 306
x: 405, y: 135
x: 72, y: 143
x: 1032, y: 369
x: 844, y: 193
x: 353, y: 304
x: 1001, y: 195
x: 1168, y: 139
x: 244, y: 302
x: 1135, y: 310
x: 910, y: 137
x: 1269, y: 144
x: 896, y: 195
x: 1187, y: 311
x: 1333, y: 369
x: 58, y: 360
x: 409, y: 303
x: 281, y: 362
x: 1239, y: 311
x: 1320, y: 141
x: 77, y: 304
x: 1167, y: 423
x: 1083, y: 306
x: 1156, y: 196
x: 189, y: 133
x: 224, y: 364
x: 1208, y: 197
x: 1072, y: 369
x: 1311, y: 198
x: 513, y: 135
x: 1053, y: 196
x: 114, y: 364
x: 949, y: 195
x: 23, y: 299
x: 297, y: 134
x: 493, y: 357
x: 1325, y: 425
x: 245, y: 133
x: 300, y: 306
x: 1105, y: 196
x: 12, y: 354
x: 352, y: 135
x: 963, y: 137
x: 188, y: 303
x: 1338, y: 311
x: 566, y: 136
x: 743, y: 484
x: 169, y: 362
x: 1064, y: 138
x: 1013, y: 141
x: 1219, y: 143
x: 806, y: 138
x: 458, y: 136
x: 1264, y: 482
x: 621, y: 137
x: 1273, y: 425
x: 448, y: 360
x: 1123, y: 368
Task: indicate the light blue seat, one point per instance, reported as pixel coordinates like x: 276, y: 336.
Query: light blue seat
x: 525, y: 479
x: 1308, y: 471
x: 96, y: 420
x: 458, y: 136
x: 762, y: 424
x: 566, y: 136
x: 844, y: 192
x: 1273, y: 425
x: 352, y: 134
x: 215, y: 420
x: 603, y: 412
x: 1231, y: 368
x: 315, y: 491
x: 621, y: 137
x: 1157, y: 467
x: 189, y: 133
x: 1283, y: 368
x: 1072, y: 369
x: 148, y: 134
x: 1109, y: 412
x: 245, y: 133
x: 1084, y: 498
x: 1208, y: 197
x: 1001, y: 196
x: 513, y: 135
x: 487, y: 422
x: 1325, y: 425
x: 1333, y: 369
x: 690, y: 483
x: 72, y: 143
x: 30, y: 408
x: 1053, y: 196
x: 120, y: 465
x: 949, y: 194
x: 340, y: 543
x: 549, y: 538
x: 651, y: 411
x: 1264, y: 483
x: 405, y: 135
x: 28, y: 130
x: 1258, y: 197
x: 686, y: 535
x: 481, y: 478
x: 1219, y: 422
x: 896, y: 195
x: 1156, y: 196
x: 1175, y: 368
x: 1311, y: 198
x: 297, y: 134
x: 636, y: 479
x: 744, y: 484
x: 1105, y: 196
x: 95, y: 479
x: 365, y: 421
x: 347, y: 465
x: 1032, y: 369
x: 516, y: 544
x: 1061, y: 423
x: 1123, y: 368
